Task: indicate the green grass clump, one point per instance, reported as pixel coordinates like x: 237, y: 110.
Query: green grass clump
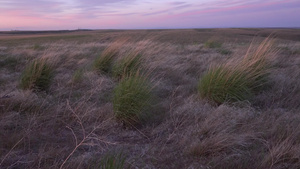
x: 127, y: 65
x: 37, y: 75
x: 222, y: 84
x: 103, y: 63
x: 132, y: 99
x: 237, y: 81
x: 110, y: 161
x: 212, y: 44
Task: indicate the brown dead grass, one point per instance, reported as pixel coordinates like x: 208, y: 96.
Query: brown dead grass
x: 73, y: 125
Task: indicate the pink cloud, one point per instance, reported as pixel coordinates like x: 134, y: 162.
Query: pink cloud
x: 145, y: 14
x: 249, y: 7
x: 246, y: 9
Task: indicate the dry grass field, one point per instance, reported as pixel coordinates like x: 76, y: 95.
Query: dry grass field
x: 197, y: 98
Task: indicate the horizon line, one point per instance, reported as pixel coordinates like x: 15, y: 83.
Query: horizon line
x: 88, y: 29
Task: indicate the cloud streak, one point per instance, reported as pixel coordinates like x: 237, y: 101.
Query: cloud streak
x: 131, y: 14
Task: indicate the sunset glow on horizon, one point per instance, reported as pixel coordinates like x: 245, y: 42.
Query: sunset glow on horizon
x: 146, y: 14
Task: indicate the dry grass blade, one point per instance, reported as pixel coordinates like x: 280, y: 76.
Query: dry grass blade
x: 10, y: 151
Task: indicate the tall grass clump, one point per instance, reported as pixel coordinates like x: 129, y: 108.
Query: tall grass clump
x: 103, y: 63
x: 127, y: 65
x: 237, y: 81
x: 37, y: 75
x: 132, y: 99
x: 110, y: 161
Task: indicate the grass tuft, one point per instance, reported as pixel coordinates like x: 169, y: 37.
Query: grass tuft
x: 111, y: 161
x: 222, y: 84
x: 237, y: 81
x: 37, y: 75
x: 103, y: 63
x: 127, y: 65
x: 132, y: 99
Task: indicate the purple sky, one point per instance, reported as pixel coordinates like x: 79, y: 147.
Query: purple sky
x: 146, y: 14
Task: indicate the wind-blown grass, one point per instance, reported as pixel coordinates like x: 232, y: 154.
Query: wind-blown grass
x: 103, y: 63
x: 111, y: 161
x: 74, y: 124
x: 221, y: 84
x: 132, y: 99
x: 237, y: 81
x: 37, y: 75
x: 127, y: 65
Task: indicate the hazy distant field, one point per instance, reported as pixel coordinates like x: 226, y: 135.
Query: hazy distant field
x: 74, y: 122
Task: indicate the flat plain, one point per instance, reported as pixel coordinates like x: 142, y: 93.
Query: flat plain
x: 75, y: 122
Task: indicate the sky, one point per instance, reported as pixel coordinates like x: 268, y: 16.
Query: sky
x: 146, y: 14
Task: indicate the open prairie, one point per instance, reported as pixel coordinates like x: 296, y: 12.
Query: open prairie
x: 190, y: 98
